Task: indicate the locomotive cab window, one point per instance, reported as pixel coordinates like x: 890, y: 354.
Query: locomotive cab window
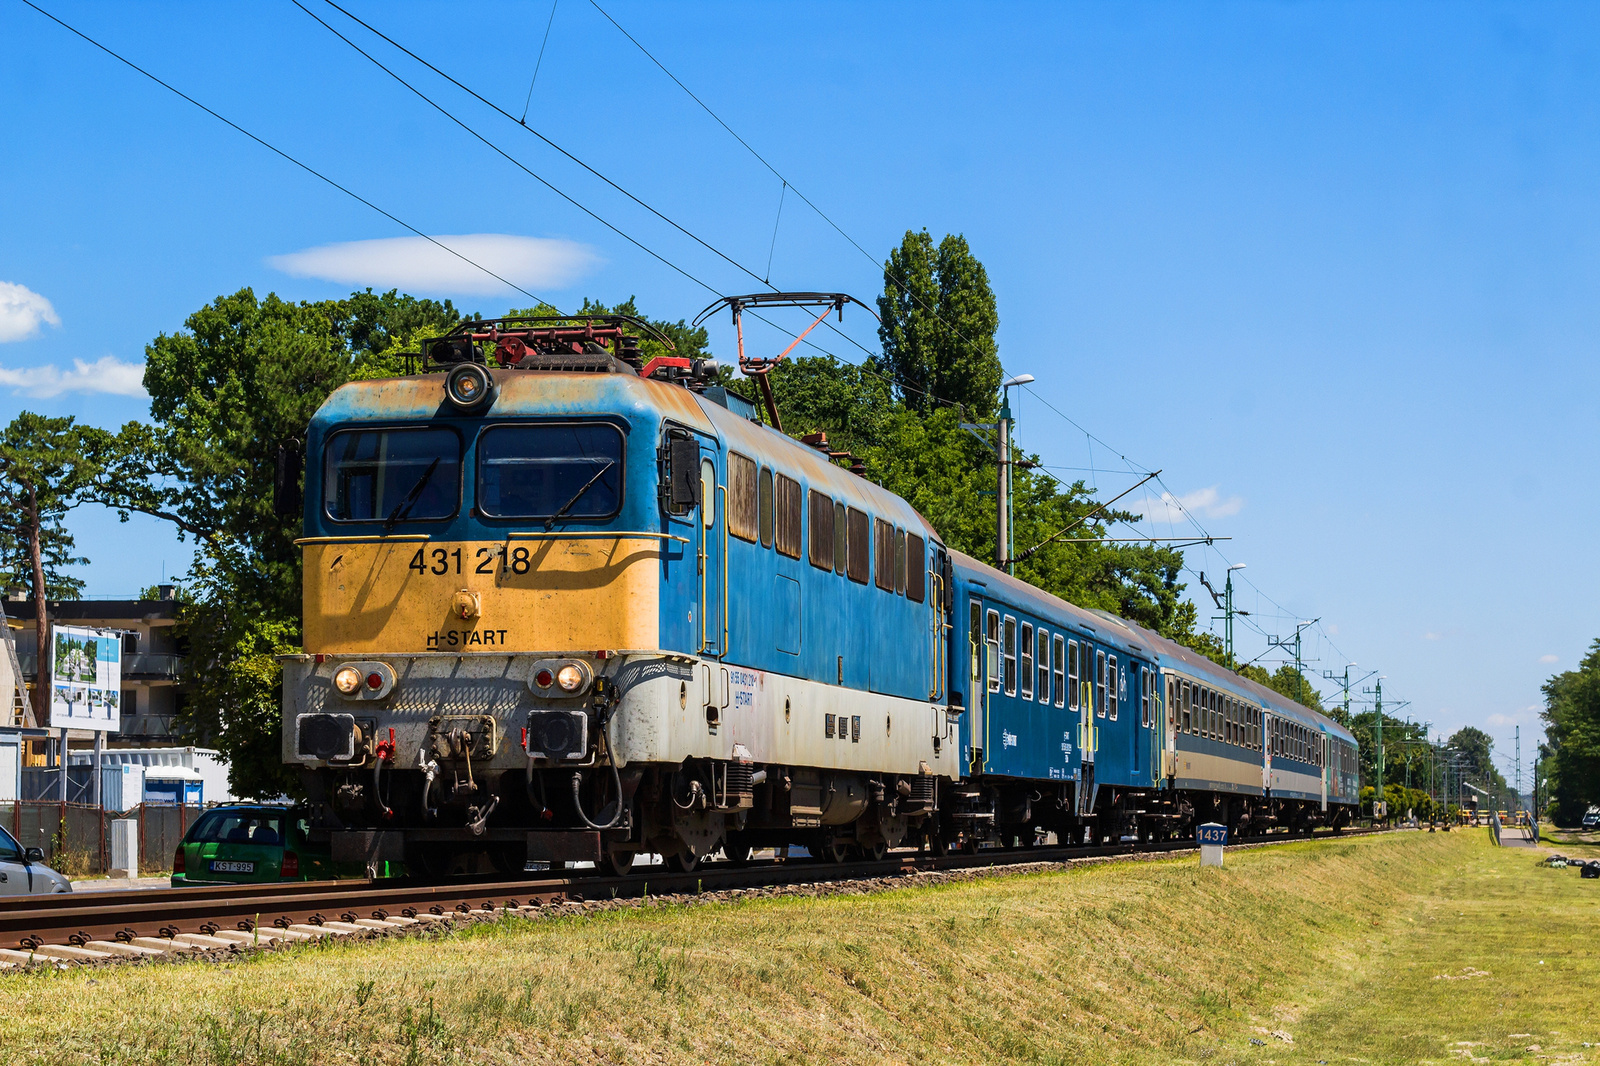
x: 392, y: 475
x: 544, y: 471
x: 916, y: 569
x: 1114, y: 679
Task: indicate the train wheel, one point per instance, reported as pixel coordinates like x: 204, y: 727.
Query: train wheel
x: 830, y: 849
x: 683, y: 862
x: 616, y: 862
x: 875, y: 852
x: 737, y: 854
x: 938, y: 843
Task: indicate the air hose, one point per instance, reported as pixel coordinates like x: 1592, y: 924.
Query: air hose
x: 616, y: 775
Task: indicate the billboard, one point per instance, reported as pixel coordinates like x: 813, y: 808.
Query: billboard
x: 86, y: 679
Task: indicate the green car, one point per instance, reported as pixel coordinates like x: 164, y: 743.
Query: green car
x: 248, y: 844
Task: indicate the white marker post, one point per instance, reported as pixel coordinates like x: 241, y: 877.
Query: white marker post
x: 1212, y: 838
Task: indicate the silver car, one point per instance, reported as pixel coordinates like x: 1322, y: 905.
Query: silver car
x: 23, y: 872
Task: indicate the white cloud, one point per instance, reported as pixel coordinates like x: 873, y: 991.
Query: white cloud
x: 1433, y: 636
x: 108, y: 374
x: 1204, y: 503
x: 1549, y: 658
x: 22, y: 312
x: 415, y: 264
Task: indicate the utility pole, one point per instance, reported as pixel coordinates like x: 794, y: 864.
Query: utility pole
x: 1002, y: 535
x: 1225, y: 602
x: 1519, y: 766
x: 1005, y: 556
x: 1299, y: 675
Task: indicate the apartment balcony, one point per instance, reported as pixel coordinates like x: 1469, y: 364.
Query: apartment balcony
x: 136, y: 666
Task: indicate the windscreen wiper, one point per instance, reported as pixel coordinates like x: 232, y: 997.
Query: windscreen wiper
x: 576, y: 496
x: 403, y: 508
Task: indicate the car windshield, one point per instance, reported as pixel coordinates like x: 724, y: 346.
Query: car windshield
x: 571, y: 471
x: 391, y: 475
x: 10, y: 850
x: 259, y: 827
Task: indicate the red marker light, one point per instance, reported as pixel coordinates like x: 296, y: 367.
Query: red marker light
x: 544, y: 679
x: 374, y: 680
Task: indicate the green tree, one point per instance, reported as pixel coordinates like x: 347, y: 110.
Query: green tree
x: 1572, y: 730
x: 243, y: 377
x: 45, y: 465
x: 938, y: 320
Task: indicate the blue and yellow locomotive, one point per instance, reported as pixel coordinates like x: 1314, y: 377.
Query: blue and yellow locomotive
x: 564, y: 602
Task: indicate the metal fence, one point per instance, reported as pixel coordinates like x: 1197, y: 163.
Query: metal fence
x: 76, y: 837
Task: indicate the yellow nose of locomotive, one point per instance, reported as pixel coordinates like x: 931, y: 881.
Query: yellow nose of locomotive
x: 398, y: 595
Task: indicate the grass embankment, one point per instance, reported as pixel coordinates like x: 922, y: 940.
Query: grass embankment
x: 1335, y: 944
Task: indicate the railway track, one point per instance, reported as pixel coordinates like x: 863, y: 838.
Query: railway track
x: 100, y: 926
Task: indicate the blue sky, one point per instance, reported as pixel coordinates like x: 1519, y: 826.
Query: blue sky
x: 1329, y: 267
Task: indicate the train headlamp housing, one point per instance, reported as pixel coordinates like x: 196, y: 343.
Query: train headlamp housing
x: 363, y: 680
x: 468, y: 386
x: 561, y: 678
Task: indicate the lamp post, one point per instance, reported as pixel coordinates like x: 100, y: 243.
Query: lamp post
x: 1227, y: 594
x: 1002, y: 541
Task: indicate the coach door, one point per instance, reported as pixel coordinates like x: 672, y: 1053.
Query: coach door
x: 1323, y: 740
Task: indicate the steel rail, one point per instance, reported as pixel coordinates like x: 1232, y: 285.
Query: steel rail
x: 78, y: 918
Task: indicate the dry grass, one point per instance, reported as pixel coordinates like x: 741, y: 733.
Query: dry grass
x: 1130, y: 963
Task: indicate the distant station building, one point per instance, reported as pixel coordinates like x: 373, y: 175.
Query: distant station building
x: 151, y: 700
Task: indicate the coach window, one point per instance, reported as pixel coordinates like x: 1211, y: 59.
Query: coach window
x: 1255, y: 728
x: 883, y: 555
x: 1172, y: 703
x: 1027, y: 661
x: 841, y: 552
x: 764, y: 503
x: 859, y: 550
x: 742, y: 496
x: 1233, y: 722
x: 916, y: 569
x: 1009, y: 647
x: 1147, y: 684
x: 1100, y: 684
x: 975, y: 641
x: 900, y: 561
x: 1044, y: 667
x: 992, y: 637
x: 821, y: 547
x: 1061, y: 675
x: 1073, y: 675
x: 789, y: 517
x: 1113, y: 679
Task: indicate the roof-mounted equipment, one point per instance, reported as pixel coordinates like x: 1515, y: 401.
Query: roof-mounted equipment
x: 593, y: 343
x: 759, y: 368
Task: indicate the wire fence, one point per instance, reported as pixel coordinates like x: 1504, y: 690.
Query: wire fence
x: 76, y: 837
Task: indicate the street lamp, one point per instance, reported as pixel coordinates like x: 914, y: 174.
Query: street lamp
x: 1003, y: 510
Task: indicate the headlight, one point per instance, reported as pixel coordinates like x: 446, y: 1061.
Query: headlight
x: 560, y: 677
x: 347, y: 679
x: 468, y: 385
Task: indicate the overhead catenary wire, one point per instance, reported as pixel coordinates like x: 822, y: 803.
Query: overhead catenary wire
x: 528, y: 103
x: 275, y: 150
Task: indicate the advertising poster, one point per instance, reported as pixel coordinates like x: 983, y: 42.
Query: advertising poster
x: 86, y: 679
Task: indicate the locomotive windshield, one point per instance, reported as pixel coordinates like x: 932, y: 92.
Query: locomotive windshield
x: 550, y: 471
x: 392, y: 475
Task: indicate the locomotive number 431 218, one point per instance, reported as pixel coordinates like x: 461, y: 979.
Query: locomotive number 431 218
x: 442, y: 561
